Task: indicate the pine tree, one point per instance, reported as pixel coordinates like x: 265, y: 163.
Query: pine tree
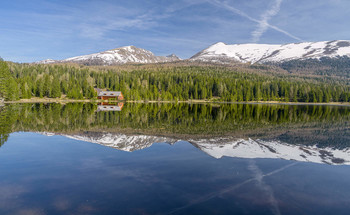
x: 56, y: 91
x: 40, y: 88
x: 47, y: 86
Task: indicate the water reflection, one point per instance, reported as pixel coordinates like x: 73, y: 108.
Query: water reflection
x: 305, y: 133
x: 241, y: 148
x: 57, y: 175
x: 106, y: 106
x: 186, y: 159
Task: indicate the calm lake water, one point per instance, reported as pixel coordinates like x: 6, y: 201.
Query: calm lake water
x: 174, y: 159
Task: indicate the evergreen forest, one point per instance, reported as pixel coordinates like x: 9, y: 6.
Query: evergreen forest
x: 169, y: 82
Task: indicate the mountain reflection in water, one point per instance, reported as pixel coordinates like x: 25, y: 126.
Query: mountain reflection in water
x: 223, y: 147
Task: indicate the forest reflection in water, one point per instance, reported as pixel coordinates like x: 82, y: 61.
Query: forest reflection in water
x: 190, y: 121
x: 299, y: 124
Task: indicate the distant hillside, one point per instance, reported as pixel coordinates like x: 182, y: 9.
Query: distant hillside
x: 324, y: 66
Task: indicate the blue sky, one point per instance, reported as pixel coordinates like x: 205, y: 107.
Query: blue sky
x: 57, y: 29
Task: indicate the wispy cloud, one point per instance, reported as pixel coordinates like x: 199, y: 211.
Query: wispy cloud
x: 180, y: 5
x: 265, y: 17
x: 100, y: 29
x: 102, y: 19
x: 264, y: 24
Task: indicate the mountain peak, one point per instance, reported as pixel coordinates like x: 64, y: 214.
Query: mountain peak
x: 47, y: 61
x: 218, y: 44
x: 128, y: 49
x: 173, y: 56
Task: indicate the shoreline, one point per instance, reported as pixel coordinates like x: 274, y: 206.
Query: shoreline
x: 49, y: 100
x: 63, y: 101
x: 249, y: 102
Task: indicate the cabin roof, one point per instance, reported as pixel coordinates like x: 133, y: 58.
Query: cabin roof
x: 109, y: 93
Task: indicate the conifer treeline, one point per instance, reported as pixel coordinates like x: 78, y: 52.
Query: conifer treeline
x: 8, y: 85
x: 170, y: 83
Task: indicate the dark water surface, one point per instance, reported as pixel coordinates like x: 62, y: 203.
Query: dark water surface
x: 174, y: 159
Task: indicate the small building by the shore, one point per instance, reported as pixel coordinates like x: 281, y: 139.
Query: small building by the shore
x: 107, y: 95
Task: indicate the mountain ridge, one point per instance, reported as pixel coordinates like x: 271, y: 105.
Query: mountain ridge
x: 219, y: 53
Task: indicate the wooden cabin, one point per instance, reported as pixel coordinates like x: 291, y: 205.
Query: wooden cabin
x: 106, y: 95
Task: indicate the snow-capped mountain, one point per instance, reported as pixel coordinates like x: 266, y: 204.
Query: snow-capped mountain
x: 262, y: 53
x: 123, y: 55
x: 219, y: 53
x: 223, y: 147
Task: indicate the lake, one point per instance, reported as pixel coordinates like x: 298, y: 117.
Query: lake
x: 135, y: 158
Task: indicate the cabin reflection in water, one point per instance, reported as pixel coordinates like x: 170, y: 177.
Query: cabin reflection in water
x: 105, y: 106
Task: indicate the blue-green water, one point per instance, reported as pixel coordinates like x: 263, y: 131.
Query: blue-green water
x: 113, y: 169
